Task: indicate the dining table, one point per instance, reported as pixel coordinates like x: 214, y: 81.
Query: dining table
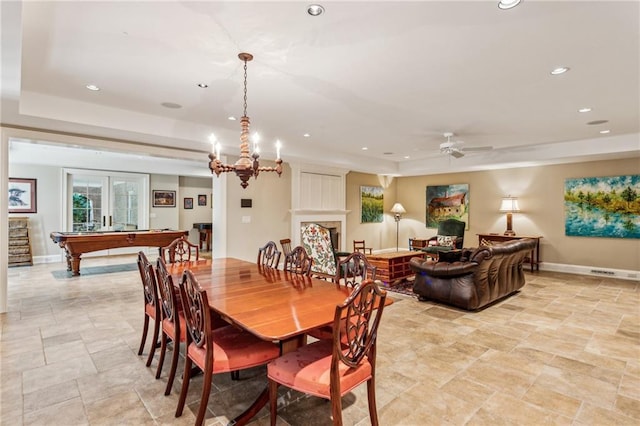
x: 273, y: 305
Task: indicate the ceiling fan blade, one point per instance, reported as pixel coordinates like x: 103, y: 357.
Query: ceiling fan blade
x: 478, y: 148
x: 456, y: 153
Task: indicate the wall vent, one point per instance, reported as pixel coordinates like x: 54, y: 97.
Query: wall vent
x: 602, y: 272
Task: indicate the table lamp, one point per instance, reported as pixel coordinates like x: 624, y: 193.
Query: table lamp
x: 509, y: 205
x: 397, y: 211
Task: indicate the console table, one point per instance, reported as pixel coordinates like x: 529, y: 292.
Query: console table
x: 393, y: 266
x: 534, y: 257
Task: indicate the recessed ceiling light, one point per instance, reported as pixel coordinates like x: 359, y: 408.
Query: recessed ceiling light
x: 559, y: 70
x: 584, y: 110
x: 203, y: 85
x: 364, y: 148
x: 307, y: 135
x: 315, y: 10
x: 406, y: 157
x: 231, y: 118
x: 596, y: 122
x: 92, y: 87
x: 171, y: 105
x: 604, y: 132
x: 508, y: 4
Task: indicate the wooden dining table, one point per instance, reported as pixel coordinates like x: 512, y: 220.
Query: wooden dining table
x: 273, y: 305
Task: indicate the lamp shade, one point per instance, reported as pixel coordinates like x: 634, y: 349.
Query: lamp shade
x: 509, y: 205
x: 398, y: 209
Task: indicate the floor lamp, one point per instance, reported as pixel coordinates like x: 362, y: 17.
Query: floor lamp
x: 397, y: 211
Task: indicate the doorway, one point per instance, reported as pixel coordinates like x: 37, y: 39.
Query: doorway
x: 98, y: 200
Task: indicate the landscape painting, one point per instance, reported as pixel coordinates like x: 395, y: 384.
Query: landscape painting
x: 602, y: 206
x: 371, y: 204
x: 447, y: 202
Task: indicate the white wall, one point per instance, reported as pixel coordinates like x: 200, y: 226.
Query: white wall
x: 48, y: 217
x: 192, y: 187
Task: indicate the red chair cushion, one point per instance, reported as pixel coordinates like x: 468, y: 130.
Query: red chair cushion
x: 234, y: 349
x: 307, y: 370
x: 150, y: 310
x: 170, y: 330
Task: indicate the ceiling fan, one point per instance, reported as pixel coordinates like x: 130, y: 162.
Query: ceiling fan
x: 457, y: 149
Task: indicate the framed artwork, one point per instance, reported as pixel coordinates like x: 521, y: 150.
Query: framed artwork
x: 202, y: 200
x: 188, y: 203
x: 602, y: 206
x: 163, y: 198
x: 22, y: 195
x: 447, y: 202
x: 371, y: 204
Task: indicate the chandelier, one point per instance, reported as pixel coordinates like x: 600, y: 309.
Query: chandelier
x: 247, y: 165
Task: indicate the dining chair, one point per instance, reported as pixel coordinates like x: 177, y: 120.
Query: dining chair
x: 286, y: 246
x: 172, y: 323
x: 359, y: 245
x: 180, y: 250
x: 269, y: 256
x: 351, y: 271
x: 326, y: 368
x: 151, y: 305
x: 214, y: 350
x: 298, y: 261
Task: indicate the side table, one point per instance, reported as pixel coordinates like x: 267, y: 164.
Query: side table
x: 534, y: 257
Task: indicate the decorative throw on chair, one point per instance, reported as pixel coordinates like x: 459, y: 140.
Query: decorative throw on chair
x: 316, y: 240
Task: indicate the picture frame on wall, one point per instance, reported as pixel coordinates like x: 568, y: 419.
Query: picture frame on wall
x: 602, y: 206
x: 371, y: 204
x: 447, y: 202
x: 22, y: 195
x: 188, y: 203
x: 162, y: 198
x: 202, y: 200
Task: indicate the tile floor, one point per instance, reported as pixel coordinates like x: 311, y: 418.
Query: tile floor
x: 565, y: 350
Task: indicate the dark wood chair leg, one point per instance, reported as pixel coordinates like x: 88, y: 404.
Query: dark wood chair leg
x: 186, y: 377
x: 371, y: 395
x: 174, y: 367
x: 163, y: 351
x: 145, y: 328
x: 273, y: 401
x: 204, y: 399
x: 156, y: 328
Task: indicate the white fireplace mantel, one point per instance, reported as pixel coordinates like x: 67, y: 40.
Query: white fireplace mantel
x: 318, y: 212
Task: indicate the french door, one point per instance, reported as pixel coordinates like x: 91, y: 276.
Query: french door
x: 105, y: 201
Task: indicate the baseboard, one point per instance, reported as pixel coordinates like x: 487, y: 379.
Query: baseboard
x: 624, y: 274
x: 52, y: 258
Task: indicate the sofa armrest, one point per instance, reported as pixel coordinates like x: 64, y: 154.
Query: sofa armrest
x: 442, y: 269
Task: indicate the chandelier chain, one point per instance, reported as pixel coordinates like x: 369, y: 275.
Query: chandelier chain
x: 245, y: 87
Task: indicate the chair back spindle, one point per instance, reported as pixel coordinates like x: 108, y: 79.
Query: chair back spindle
x: 269, y: 256
x: 286, y: 246
x: 180, y: 250
x: 354, y: 269
x: 298, y: 261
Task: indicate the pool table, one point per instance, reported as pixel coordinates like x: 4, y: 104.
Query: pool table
x: 77, y: 243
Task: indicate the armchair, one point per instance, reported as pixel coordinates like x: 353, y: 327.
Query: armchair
x: 450, y: 237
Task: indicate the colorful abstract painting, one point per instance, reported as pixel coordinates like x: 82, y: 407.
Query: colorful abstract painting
x: 602, y: 206
x: 371, y: 204
x: 447, y: 202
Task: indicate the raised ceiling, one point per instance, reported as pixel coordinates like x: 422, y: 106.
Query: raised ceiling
x: 391, y: 77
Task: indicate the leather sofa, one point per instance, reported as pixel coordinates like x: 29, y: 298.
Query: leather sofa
x: 482, y: 276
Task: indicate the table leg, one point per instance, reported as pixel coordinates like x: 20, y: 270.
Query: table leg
x: 249, y: 413
x: 75, y: 264
x: 263, y: 399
